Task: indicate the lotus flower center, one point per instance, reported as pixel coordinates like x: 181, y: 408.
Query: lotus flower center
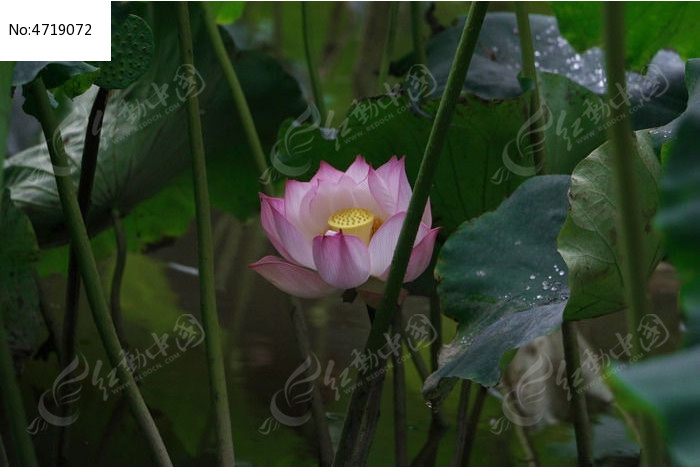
x: 354, y: 221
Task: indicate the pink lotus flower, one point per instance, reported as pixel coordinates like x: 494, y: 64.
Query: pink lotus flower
x: 340, y: 229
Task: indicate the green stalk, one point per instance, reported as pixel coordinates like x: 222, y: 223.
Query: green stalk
x: 88, y: 166
x: 88, y: 270
x: 301, y: 331
x: 117, y: 276
x: 9, y: 390
x: 626, y: 189
x: 237, y: 92
x: 417, y: 34
x: 13, y: 405
x: 428, y: 452
x: 369, y: 427
x: 388, y: 46
x: 528, y: 58
x: 53, y: 340
x: 421, y: 190
x: 399, y: 374
x: 423, y: 374
x: 582, y: 428
x: 473, y: 423
x: 314, y: 79
x: 627, y: 193
x: 210, y: 323
x: 461, y: 436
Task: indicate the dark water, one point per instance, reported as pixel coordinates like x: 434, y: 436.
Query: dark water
x: 261, y: 354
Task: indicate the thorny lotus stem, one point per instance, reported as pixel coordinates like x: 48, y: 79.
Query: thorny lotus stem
x: 388, y: 47
x: 319, y: 414
x: 461, y: 436
x: 117, y: 276
x: 527, y: 52
x: 582, y: 428
x: 314, y: 80
x: 385, y: 315
x: 88, y: 270
x: 210, y: 322
x: 627, y: 193
x: 417, y: 34
x: 238, y: 95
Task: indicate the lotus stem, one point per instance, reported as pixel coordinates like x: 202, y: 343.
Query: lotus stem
x: 314, y: 79
x: 388, y: 47
x: 88, y: 167
x: 238, y: 96
x: 13, y: 405
x: 625, y: 151
x: 421, y: 190
x: 117, y: 276
x: 417, y: 34
x: 399, y: 376
x: 582, y: 428
x: 473, y: 423
x: 301, y: 331
x: 461, y: 436
x: 9, y: 389
x: 527, y: 52
x: 210, y: 321
x: 88, y: 270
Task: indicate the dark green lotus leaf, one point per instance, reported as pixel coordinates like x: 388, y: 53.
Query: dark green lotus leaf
x: 68, y: 78
x: 574, y: 122
x: 472, y: 176
x: 692, y: 80
x: 488, y: 150
x: 667, y: 388
x: 132, y: 51
x: 588, y: 241
x: 501, y: 277
x: 648, y: 27
x: 5, y: 74
x: 19, y: 302
x: 144, y: 142
x: 679, y: 218
x: 656, y: 96
x: 54, y: 74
